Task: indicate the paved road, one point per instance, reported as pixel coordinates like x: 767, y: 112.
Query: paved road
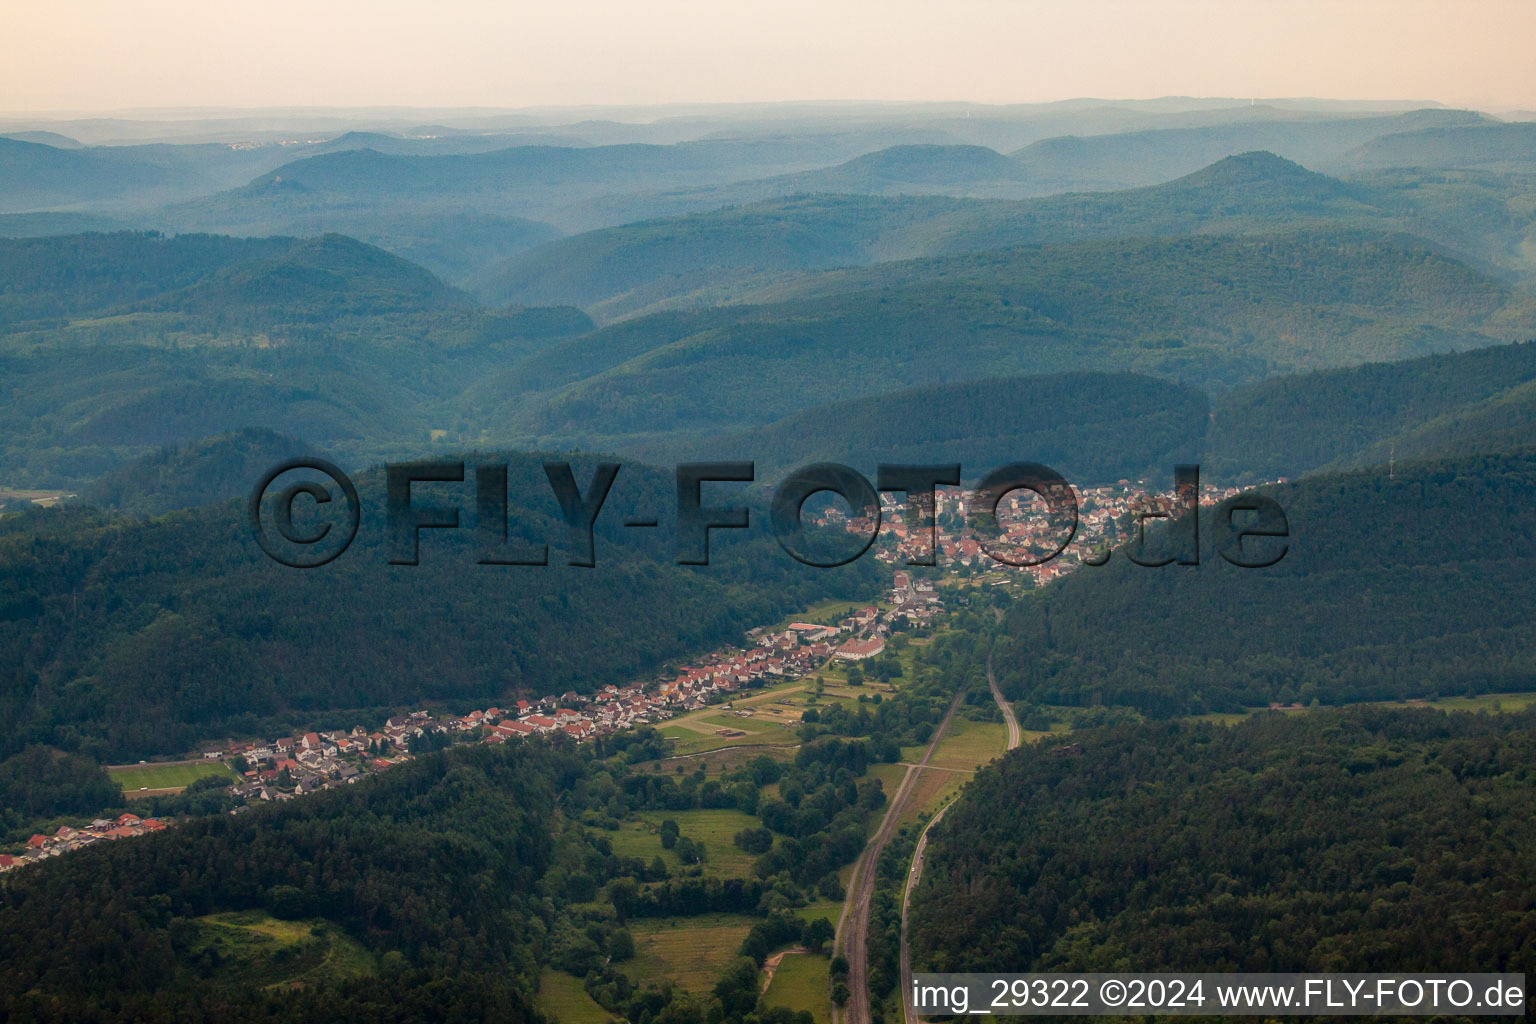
x: 853, y: 924
x: 914, y: 875
x: 915, y: 872
x: 1007, y: 708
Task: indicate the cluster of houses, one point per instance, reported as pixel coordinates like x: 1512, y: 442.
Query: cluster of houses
x: 293, y: 766
x: 1103, y: 513
x: 68, y: 837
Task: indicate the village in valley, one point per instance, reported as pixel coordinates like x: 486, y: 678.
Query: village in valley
x: 290, y: 767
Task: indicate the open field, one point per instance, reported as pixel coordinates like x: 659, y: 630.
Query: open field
x: 689, y: 741
x: 44, y: 497
x: 1493, y: 703
x: 800, y: 983
x: 966, y: 745
x: 692, y: 951
x: 713, y: 828
x: 700, y: 730
x: 933, y: 790
x: 828, y: 909
x: 257, y: 947
x: 969, y: 745
x: 166, y: 776
x: 716, y: 762
x: 564, y: 999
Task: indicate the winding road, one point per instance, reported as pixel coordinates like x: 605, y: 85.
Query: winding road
x: 853, y: 923
x: 915, y: 872
x: 1007, y: 709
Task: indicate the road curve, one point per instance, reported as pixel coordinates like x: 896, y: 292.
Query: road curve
x: 853, y: 924
x: 915, y: 872
x: 1007, y: 709
x: 914, y: 875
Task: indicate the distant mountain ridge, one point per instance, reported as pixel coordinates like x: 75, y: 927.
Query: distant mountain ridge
x: 1214, y: 311
x: 761, y: 252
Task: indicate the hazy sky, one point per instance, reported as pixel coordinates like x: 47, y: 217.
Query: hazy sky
x: 76, y: 55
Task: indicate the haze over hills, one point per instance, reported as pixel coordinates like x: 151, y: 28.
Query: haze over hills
x: 1335, y: 293
x: 120, y: 343
x: 1493, y: 147
x: 760, y: 251
x: 1207, y: 310
x: 1090, y: 427
x: 1434, y: 406
x: 409, y: 185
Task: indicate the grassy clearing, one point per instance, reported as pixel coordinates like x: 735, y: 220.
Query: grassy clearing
x: 688, y: 741
x: 969, y: 745
x: 1493, y: 703
x: 714, y: 828
x: 934, y: 790
x: 692, y: 951
x: 257, y: 948
x: 828, y: 909
x: 716, y: 763
x: 166, y: 776
x: 801, y: 983
x: 563, y: 998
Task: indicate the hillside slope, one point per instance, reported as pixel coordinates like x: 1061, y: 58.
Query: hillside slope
x: 764, y: 250
x: 128, y: 638
x: 1329, y: 841
x: 1394, y: 586
x: 1349, y: 418
x: 1207, y: 310
x: 1090, y: 427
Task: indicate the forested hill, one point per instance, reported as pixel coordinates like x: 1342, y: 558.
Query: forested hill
x: 1210, y: 311
x: 113, y: 345
x: 220, y: 279
x: 415, y: 897
x: 1091, y: 427
x: 205, y: 472
x: 1359, y: 840
x: 1500, y: 147
x: 743, y: 251
x: 720, y: 254
x: 1343, y: 419
x: 1391, y: 588
x: 127, y: 638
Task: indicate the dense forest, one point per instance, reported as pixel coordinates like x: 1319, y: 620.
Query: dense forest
x: 205, y: 472
x: 1393, y: 584
x: 1358, y: 840
x: 126, y: 638
x: 1087, y: 426
x: 1338, y: 295
x: 438, y: 890
x: 1210, y: 311
x: 432, y: 868
x: 112, y: 346
x: 1363, y: 415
